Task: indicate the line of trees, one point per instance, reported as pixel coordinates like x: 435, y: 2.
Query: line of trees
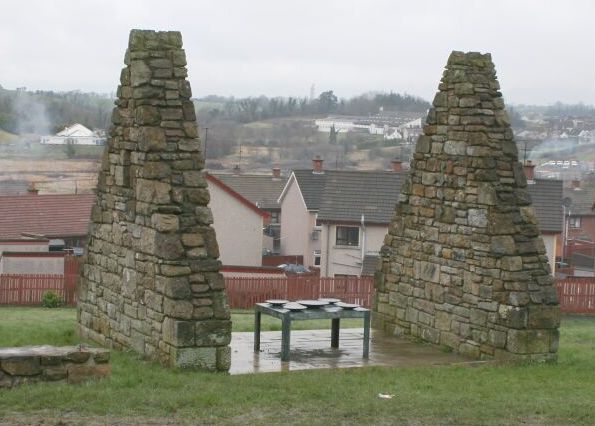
x: 44, y: 112
x: 246, y: 110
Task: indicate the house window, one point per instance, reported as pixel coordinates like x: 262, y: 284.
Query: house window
x: 347, y: 235
x: 574, y: 222
x: 275, y: 217
x: 316, y: 257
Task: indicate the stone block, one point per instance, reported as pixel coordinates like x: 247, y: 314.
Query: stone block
x: 176, y: 287
x: 174, y: 270
x: 204, y: 358
x: 213, y: 333
x: 178, y: 308
x: 193, y: 240
x: 151, y: 191
x: 140, y: 73
x: 78, y: 356
x: 478, y: 317
x: 21, y: 366
x: 165, y: 222
x: 503, y: 245
x: 55, y: 373
x: 497, y: 338
x: 179, y: 333
x: 513, y: 316
x: 543, y: 317
x: 147, y: 115
x: 80, y: 373
x: 528, y: 341
x: 223, y: 358
x: 469, y: 349
x: 427, y: 271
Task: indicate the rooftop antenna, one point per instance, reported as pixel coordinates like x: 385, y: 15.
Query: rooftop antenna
x: 525, y: 152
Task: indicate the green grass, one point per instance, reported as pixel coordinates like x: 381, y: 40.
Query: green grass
x: 554, y: 394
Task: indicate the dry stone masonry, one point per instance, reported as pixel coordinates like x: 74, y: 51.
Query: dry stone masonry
x: 151, y: 280
x: 71, y: 364
x: 463, y: 263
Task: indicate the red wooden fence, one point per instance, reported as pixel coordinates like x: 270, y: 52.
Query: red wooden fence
x: 29, y: 289
x: 244, y: 292
x: 577, y: 295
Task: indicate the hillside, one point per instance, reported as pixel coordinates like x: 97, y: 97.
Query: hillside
x: 7, y: 137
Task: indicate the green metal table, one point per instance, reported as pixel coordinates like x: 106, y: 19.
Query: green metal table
x: 331, y: 312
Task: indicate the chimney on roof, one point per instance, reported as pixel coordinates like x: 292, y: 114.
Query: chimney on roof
x: 529, y: 169
x: 32, y: 190
x: 317, y: 164
x: 276, y: 172
x: 397, y: 165
x: 575, y: 184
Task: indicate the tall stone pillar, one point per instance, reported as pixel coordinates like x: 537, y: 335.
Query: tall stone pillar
x: 463, y: 263
x: 151, y: 278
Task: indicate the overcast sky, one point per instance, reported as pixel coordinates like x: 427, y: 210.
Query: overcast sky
x: 544, y: 51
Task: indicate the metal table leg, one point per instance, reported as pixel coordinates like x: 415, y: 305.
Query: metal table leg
x: 366, y: 334
x: 335, y: 326
x: 256, y: 331
x: 285, y: 337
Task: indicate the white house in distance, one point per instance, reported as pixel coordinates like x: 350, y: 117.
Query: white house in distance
x: 238, y: 224
x: 77, y: 134
x: 390, y: 126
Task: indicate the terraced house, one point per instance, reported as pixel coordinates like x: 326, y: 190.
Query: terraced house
x: 337, y: 219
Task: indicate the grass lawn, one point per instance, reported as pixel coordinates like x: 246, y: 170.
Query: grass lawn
x: 140, y: 392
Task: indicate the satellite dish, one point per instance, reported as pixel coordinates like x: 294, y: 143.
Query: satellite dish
x: 567, y: 202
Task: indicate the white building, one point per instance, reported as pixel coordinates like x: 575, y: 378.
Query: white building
x: 77, y: 134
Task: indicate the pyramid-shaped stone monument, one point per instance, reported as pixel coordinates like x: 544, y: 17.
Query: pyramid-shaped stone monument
x: 151, y: 278
x: 463, y: 264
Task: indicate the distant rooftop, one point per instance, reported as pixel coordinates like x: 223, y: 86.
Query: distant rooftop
x: 262, y: 190
x: 54, y: 216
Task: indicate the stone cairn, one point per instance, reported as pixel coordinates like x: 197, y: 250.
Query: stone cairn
x: 151, y: 278
x: 463, y: 264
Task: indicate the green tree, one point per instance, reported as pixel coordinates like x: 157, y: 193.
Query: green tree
x: 327, y: 102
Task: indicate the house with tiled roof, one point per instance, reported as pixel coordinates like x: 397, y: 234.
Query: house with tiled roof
x: 577, y: 244
x: 263, y: 191
x: 238, y: 224
x: 338, y: 219
x: 300, y: 202
x: 53, y: 216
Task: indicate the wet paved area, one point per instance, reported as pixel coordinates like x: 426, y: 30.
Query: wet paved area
x: 311, y: 349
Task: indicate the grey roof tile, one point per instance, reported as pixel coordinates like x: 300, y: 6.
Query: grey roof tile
x: 343, y: 196
x: 311, y: 185
x: 547, y: 202
x: 348, y: 195
x: 582, y: 199
x: 262, y: 190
